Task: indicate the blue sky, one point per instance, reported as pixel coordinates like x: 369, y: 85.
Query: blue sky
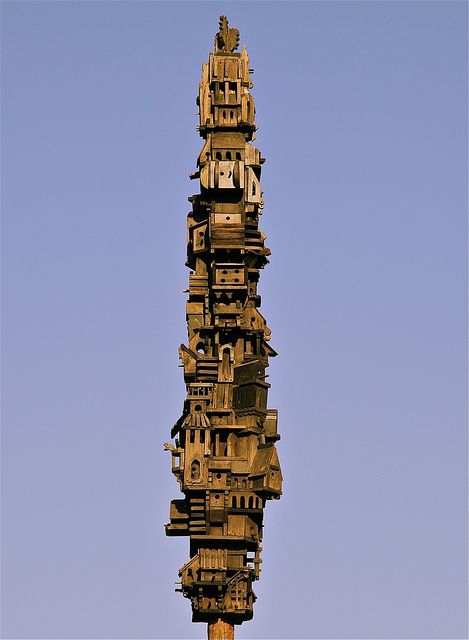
x: 362, y: 114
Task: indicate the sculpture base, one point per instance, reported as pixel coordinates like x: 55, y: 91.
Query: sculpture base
x: 220, y: 630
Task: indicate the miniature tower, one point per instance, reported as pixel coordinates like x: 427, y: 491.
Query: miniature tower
x: 224, y: 457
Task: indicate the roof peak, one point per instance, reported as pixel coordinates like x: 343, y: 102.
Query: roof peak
x: 227, y: 38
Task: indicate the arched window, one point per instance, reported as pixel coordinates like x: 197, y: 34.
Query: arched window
x: 225, y: 367
x: 234, y: 502
x: 242, y: 502
x: 231, y: 445
x: 226, y: 357
x: 228, y: 155
x: 195, y: 470
x: 251, y: 502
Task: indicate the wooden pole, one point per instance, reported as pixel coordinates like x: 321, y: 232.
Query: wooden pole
x: 220, y: 630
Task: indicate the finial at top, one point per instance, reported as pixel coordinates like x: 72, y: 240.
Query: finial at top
x: 227, y: 39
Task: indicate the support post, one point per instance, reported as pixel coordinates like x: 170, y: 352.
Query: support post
x: 220, y: 630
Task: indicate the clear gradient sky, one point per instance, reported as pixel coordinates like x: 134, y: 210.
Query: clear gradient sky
x: 362, y: 114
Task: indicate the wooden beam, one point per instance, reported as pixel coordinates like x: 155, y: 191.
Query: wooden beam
x: 220, y: 630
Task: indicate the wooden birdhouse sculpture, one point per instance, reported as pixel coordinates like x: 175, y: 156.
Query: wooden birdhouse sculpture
x: 224, y: 456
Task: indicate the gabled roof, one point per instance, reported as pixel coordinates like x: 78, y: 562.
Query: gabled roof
x: 265, y: 458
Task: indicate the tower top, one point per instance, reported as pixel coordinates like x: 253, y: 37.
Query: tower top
x: 227, y: 39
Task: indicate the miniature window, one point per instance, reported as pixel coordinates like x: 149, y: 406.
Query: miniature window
x: 238, y: 155
x: 195, y: 470
x: 242, y: 502
x: 231, y: 445
x: 218, y: 155
x: 225, y: 363
x: 234, y: 502
x: 251, y: 502
x: 228, y: 155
